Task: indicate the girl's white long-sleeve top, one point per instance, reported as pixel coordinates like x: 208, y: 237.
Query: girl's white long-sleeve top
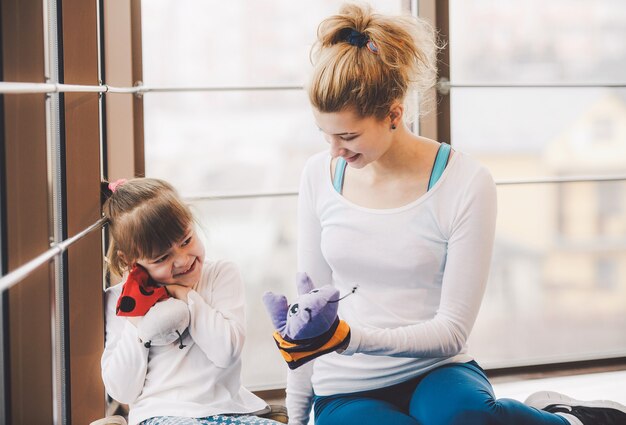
x: 198, y: 380
x: 421, y: 272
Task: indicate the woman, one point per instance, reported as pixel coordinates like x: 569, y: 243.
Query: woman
x: 412, y: 223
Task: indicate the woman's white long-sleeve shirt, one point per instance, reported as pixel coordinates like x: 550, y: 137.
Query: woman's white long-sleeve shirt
x: 199, y: 380
x: 421, y: 272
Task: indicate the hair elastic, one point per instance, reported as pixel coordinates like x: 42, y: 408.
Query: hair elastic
x: 117, y: 183
x: 355, y: 38
x: 372, y: 47
x: 358, y: 39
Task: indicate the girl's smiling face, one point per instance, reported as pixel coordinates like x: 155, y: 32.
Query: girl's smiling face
x: 179, y: 265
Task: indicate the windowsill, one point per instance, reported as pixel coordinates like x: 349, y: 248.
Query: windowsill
x: 592, y: 386
x: 570, y: 369
x: 598, y: 379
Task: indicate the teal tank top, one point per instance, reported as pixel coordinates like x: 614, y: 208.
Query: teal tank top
x: 441, y: 161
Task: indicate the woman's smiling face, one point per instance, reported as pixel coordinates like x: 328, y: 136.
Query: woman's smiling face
x: 359, y: 141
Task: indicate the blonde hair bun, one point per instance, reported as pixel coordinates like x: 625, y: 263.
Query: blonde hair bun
x: 346, y: 75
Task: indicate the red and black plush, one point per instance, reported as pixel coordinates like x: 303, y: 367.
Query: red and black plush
x: 139, y: 294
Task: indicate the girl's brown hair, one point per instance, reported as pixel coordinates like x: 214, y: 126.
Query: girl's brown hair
x: 347, y: 76
x: 146, y: 217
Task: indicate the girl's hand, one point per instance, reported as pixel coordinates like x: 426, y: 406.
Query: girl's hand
x: 178, y: 291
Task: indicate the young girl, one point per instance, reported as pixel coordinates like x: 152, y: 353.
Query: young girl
x: 412, y: 223
x: 195, y: 380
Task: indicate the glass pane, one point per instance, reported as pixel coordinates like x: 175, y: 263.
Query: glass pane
x: 557, y: 289
x: 239, y: 43
x: 229, y: 142
x: 525, y: 133
x: 259, y: 236
x: 240, y: 141
x: 538, y: 41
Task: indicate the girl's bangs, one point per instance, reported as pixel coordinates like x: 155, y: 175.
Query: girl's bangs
x: 157, y: 227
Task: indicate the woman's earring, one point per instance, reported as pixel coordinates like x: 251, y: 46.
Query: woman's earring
x: 393, y: 126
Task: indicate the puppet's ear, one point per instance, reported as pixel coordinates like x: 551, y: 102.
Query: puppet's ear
x: 276, y: 306
x: 304, y: 283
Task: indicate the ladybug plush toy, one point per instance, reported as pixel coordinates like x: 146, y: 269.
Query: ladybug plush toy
x: 164, y: 320
x: 139, y: 294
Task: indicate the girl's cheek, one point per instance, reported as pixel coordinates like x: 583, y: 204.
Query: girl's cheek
x: 160, y: 272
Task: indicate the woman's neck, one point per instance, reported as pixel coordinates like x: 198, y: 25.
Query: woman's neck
x: 405, y: 151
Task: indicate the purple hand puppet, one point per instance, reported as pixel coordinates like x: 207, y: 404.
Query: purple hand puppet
x: 309, y: 316
x: 309, y: 327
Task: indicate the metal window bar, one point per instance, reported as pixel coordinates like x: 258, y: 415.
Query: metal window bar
x: 443, y: 86
x: 21, y: 272
x: 54, y: 142
x: 536, y: 85
x: 24, y: 270
x: 507, y: 182
x: 138, y: 89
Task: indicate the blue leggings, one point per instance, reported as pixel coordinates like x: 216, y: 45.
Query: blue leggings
x: 454, y: 394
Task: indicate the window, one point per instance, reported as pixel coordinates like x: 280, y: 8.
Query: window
x: 560, y: 255
x: 51, y: 324
x: 237, y: 141
x: 253, y: 135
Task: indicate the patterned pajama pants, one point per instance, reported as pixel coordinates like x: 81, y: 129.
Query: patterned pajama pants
x: 210, y: 420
